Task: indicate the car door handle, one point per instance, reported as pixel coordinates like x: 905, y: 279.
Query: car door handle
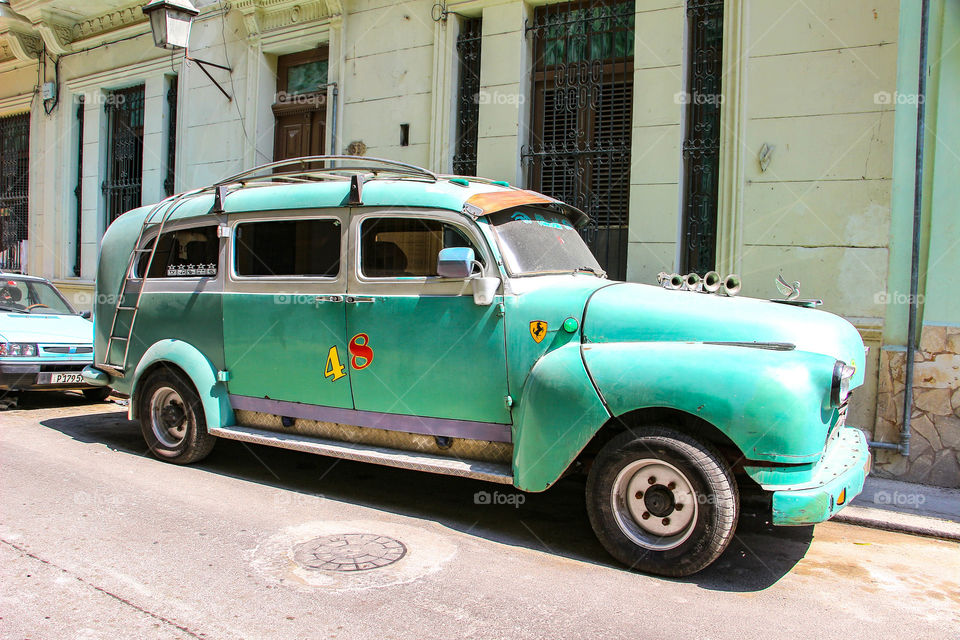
x: 359, y: 299
x: 329, y: 298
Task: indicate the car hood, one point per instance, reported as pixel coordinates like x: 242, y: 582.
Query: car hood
x: 45, y: 329
x: 628, y: 312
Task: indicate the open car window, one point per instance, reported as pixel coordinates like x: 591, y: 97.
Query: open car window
x: 407, y: 247
x: 283, y: 248
x: 183, y: 253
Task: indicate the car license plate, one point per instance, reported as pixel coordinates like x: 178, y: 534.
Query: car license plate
x: 59, y: 378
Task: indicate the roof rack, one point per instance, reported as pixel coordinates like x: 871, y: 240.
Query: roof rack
x: 353, y: 165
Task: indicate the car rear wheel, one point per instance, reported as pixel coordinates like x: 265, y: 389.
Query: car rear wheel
x: 661, y: 502
x: 172, y: 420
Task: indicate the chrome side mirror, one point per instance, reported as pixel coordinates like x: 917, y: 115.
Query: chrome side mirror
x: 459, y: 263
x: 456, y: 262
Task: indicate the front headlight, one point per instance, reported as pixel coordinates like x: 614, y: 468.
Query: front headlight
x: 15, y: 349
x: 840, y: 387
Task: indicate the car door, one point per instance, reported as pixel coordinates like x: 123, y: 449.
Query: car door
x: 418, y: 343
x: 284, y: 322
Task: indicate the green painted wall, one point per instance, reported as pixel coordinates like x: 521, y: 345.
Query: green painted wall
x: 942, y: 305
x: 940, y: 241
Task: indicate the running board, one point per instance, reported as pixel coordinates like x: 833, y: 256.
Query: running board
x: 489, y: 471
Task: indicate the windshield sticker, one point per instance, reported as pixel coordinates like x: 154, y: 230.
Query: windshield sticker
x: 538, y: 329
x: 553, y: 222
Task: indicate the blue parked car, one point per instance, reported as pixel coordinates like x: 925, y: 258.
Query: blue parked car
x: 44, y: 342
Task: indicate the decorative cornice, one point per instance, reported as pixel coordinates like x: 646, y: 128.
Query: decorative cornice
x: 23, y: 46
x: 127, y: 16
x: 56, y: 36
x: 264, y: 16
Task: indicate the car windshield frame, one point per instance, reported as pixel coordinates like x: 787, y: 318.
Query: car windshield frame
x: 543, y: 218
x: 32, y: 287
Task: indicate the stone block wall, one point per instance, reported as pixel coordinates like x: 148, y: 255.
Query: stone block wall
x: 935, y: 417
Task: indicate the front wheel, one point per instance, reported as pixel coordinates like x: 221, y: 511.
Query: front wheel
x: 661, y: 502
x: 172, y: 420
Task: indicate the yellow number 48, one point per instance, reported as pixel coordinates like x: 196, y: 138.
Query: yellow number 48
x: 334, y: 369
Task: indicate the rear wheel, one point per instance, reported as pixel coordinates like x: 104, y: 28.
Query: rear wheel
x: 661, y: 502
x: 172, y: 420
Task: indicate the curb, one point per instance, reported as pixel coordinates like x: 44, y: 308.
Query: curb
x: 899, y: 522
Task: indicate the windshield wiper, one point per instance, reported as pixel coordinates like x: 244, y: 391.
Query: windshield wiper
x: 6, y: 308
x: 597, y: 272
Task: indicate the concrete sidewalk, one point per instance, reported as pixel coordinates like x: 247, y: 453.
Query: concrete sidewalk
x: 902, y: 506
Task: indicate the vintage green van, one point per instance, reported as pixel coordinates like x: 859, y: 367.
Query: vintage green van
x: 374, y: 311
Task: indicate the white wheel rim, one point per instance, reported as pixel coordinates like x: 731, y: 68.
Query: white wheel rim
x: 654, y: 504
x: 169, y: 417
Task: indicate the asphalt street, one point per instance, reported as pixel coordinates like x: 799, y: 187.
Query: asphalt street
x: 99, y: 540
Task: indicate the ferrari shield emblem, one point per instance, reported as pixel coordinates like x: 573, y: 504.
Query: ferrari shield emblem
x: 538, y: 329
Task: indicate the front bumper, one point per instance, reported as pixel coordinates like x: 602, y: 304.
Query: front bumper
x: 32, y: 376
x: 837, y: 479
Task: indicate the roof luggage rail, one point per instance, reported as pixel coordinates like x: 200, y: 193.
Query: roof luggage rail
x: 352, y: 165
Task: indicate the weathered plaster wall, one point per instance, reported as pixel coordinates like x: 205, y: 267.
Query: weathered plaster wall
x: 388, y: 77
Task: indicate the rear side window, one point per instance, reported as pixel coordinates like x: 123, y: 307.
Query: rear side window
x: 406, y: 247
x: 306, y: 248
x: 184, y: 253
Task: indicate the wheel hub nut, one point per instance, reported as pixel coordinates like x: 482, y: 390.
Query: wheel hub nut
x: 659, y: 501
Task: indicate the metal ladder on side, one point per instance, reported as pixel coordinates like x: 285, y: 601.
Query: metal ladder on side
x: 138, y: 250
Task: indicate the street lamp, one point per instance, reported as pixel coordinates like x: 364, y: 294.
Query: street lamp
x: 170, y: 22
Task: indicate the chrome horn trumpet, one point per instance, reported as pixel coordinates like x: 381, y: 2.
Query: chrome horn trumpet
x: 692, y: 282
x: 670, y: 280
x: 711, y: 282
x: 731, y: 285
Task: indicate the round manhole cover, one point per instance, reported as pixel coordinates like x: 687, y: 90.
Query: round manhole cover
x: 349, y: 552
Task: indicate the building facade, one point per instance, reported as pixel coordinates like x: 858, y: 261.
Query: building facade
x: 758, y: 137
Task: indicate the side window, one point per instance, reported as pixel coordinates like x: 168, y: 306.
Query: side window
x: 307, y: 248
x: 184, y: 253
x: 406, y: 247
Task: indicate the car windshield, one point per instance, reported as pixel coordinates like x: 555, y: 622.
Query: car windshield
x: 31, y: 296
x: 539, y: 242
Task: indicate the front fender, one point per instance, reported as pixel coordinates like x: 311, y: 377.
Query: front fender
x: 771, y: 404
x: 202, y: 373
x: 557, y: 415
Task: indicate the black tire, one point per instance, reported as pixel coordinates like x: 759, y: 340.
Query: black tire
x: 647, y: 525
x: 99, y: 394
x: 172, y: 419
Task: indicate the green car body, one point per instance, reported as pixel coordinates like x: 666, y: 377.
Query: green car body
x: 752, y: 377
